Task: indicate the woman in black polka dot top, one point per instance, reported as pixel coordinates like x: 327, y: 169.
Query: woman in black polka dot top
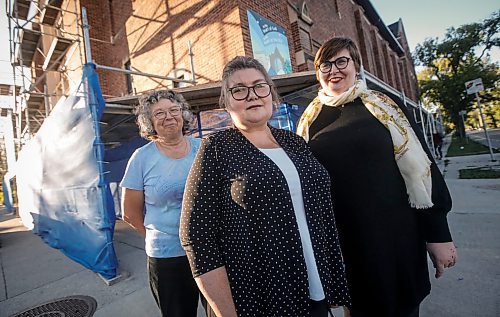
x: 257, y: 221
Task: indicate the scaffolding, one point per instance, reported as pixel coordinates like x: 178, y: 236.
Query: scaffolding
x: 32, y: 22
x: 41, y: 42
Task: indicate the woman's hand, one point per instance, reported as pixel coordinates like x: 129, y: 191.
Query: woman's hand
x: 443, y: 255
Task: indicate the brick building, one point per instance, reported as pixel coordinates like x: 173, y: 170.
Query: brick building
x: 152, y: 37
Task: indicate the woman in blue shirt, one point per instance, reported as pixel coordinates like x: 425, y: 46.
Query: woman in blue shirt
x: 152, y: 190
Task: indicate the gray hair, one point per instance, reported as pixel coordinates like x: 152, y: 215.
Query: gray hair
x: 240, y: 63
x: 145, y: 116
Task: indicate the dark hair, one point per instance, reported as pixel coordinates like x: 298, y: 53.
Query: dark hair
x: 145, y: 116
x: 240, y: 63
x: 335, y: 45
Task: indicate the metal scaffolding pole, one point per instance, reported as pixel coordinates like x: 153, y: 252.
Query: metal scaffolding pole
x: 88, y: 57
x: 191, y: 62
x: 46, y: 100
x: 485, y: 127
x: 86, y: 36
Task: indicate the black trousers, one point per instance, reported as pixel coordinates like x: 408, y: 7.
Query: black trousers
x: 415, y: 312
x: 319, y: 308
x: 173, y: 286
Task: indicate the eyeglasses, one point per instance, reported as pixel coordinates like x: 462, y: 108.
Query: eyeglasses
x: 340, y: 63
x: 261, y: 90
x: 174, y: 112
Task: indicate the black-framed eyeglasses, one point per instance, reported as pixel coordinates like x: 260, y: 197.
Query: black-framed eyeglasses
x: 161, y: 114
x: 340, y: 63
x: 261, y: 90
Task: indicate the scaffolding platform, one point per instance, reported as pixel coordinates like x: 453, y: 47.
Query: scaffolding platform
x: 58, y: 47
x: 28, y: 45
x: 36, y: 101
x: 50, y: 12
x: 21, y: 9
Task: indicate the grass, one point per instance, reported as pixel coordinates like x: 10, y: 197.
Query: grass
x: 479, y: 173
x: 462, y: 147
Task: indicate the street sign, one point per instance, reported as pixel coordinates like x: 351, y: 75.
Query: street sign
x: 462, y: 113
x: 474, y: 86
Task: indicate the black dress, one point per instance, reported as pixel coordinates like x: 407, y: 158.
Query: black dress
x: 383, y: 239
x: 237, y: 212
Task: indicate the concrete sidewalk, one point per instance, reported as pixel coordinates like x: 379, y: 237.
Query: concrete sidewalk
x: 472, y: 287
x: 33, y: 273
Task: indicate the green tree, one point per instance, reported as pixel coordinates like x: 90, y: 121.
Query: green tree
x: 460, y: 57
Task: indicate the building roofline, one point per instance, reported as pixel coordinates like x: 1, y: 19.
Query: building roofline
x: 375, y: 19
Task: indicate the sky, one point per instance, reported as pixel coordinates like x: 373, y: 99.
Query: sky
x: 421, y: 19
x: 431, y: 18
x: 5, y: 68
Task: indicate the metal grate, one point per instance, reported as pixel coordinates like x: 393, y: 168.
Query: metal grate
x: 71, y: 306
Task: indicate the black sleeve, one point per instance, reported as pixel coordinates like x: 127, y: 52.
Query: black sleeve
x: 435, y: 222
x: 200, y: 221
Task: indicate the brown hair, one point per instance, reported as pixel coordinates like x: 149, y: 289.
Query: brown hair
x: 335, y: 45
x: 240, y: 63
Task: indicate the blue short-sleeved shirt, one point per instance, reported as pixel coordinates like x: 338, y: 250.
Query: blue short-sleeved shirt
x: 162, y: 179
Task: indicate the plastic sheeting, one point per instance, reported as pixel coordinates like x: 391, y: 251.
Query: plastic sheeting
x: 285, y: 116
x: 63, y: 196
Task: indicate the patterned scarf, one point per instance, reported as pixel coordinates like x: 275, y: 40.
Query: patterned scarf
x: 412, y: 161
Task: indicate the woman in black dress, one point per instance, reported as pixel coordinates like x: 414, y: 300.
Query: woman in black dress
x: 390, y: 198
x: 257, y: 221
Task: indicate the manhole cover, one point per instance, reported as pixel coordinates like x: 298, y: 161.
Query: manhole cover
x: 71, y: 306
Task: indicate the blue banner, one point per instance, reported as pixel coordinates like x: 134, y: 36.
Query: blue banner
x: 269, y: 44
x: 63, y: 195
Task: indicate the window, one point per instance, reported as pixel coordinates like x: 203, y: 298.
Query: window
x: 305, y: 40
x: 304, y: 13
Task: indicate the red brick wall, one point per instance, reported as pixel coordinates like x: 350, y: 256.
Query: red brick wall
x: 154, y: 34
x: 329, y: 22
x: 411, y: 88
x: 376, y: 53
x: 397, y: 72
x: 75, y: 58
x: 390, y: 66
x: 378, y: 58
x: 294, y: 27
x: 99, y: 19
x: 381, y: 44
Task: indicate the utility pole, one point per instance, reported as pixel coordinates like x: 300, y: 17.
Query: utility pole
x: 484, y: 126
x: 474, y: 87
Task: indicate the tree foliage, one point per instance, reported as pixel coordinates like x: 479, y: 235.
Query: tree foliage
x: 460, y: 57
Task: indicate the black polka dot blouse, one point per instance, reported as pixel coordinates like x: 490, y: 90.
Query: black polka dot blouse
x: 237, y: 212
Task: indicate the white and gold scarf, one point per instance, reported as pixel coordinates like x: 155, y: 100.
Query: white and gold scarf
x: 412, y: 161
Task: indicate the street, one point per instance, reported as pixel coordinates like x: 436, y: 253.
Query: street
x: 479, y: 136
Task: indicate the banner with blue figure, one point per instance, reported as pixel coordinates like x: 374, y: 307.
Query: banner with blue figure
x: 63, y: 195
x: 269, y: 44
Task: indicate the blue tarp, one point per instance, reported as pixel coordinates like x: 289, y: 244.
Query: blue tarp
x: 63, y: 196
x: 7, y: 194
